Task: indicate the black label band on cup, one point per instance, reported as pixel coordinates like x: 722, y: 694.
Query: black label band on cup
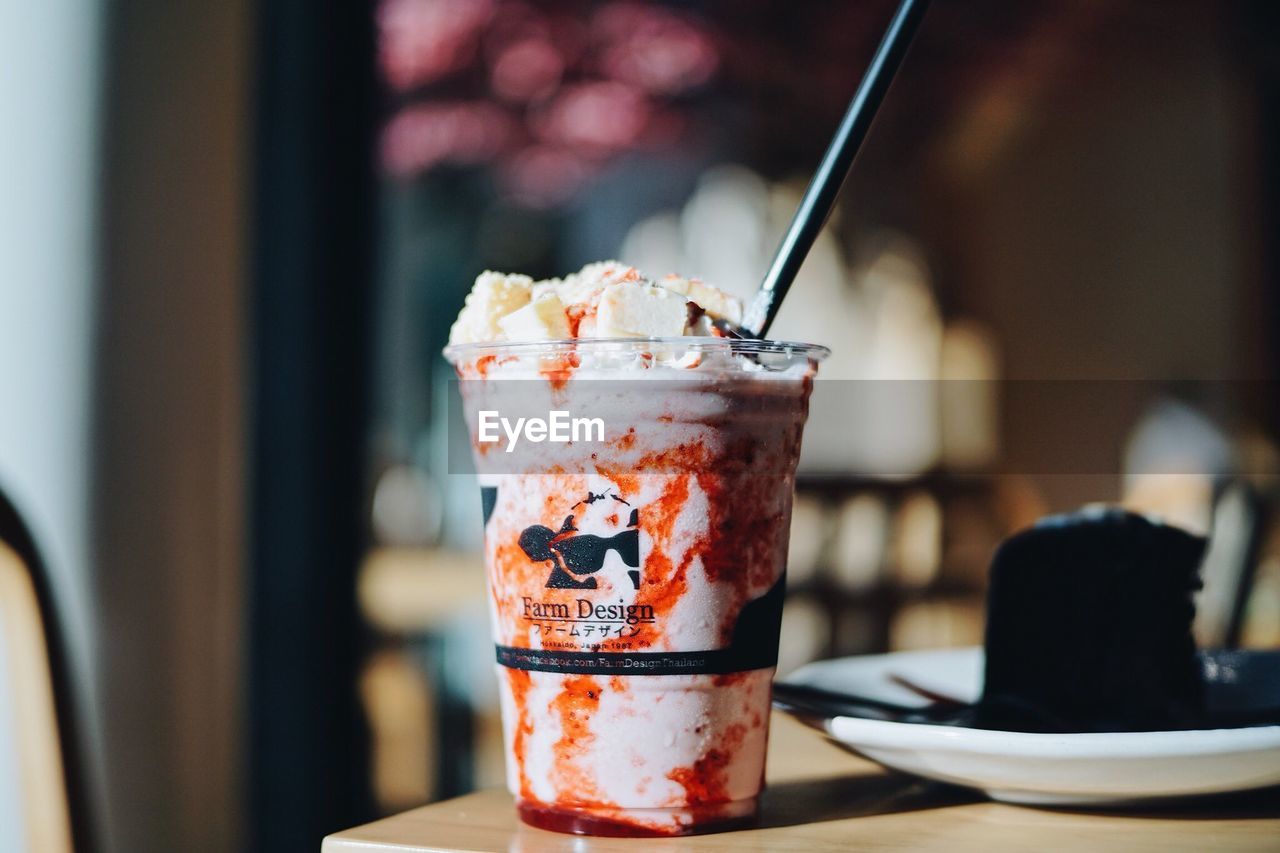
x: 754, y: 646
x: 712, y: 662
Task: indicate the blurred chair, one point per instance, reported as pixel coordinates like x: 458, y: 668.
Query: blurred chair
x: 35, y: 702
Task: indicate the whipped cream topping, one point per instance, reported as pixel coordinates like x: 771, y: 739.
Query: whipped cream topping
x: 602, y: 300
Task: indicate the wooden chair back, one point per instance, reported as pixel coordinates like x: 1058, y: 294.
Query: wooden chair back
x: 29, y: 693
x: 35, y: 684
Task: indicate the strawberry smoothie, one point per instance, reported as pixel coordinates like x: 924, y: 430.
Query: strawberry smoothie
x: 635, y: 575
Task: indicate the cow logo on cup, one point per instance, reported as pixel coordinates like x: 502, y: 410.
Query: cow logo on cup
x: 572, y: 553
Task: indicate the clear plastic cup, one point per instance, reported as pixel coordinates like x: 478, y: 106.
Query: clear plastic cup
x: 636, y: 581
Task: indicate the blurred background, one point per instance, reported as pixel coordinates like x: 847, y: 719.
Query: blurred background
x: 234, y: 236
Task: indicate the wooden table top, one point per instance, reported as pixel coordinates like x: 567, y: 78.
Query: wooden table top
x: 821, y: 797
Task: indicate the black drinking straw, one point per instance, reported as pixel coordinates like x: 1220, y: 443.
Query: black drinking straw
x: 820, y: 197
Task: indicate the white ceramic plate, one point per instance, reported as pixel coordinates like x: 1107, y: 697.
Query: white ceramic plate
x: 1034, y: 769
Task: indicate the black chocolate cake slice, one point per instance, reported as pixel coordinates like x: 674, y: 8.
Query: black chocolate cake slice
x: 1089, y: 627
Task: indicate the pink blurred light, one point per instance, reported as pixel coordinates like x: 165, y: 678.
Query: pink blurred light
x: 422, y: 40
x: 604, y: 116
x: 545, y: 176
x: 574, y: 87
x: 527, y: 70
x: 654, y: 48
x: 429, y: 134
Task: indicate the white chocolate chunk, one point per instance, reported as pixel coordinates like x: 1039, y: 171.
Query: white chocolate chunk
x: 541, y: 320
x: 494, y: 296
x: 640, y: 311
x: 715, y: 301
x: 585, y: 286
x: 675, y: 283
